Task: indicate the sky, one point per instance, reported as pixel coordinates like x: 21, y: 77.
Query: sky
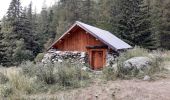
x: 4, y: 4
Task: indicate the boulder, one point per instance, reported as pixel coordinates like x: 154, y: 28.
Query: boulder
x: 139, y: 63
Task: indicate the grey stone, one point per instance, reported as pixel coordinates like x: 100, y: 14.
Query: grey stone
x: 147, y: 78
x: 115, y: 67
x: 59, y: 60
x: 83, y: 54
x: 139, y: 63
x: 110, y: 59
x: 61, y: 56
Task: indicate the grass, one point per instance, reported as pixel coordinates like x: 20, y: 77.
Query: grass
x: 118, y: 71
x: 30, y: 78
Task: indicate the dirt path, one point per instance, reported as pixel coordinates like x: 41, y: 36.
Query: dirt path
x: 118, y: 90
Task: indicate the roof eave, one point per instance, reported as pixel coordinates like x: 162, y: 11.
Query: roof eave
x: 62, y: 35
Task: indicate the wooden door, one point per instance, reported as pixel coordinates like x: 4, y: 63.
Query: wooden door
x: 97, y: 59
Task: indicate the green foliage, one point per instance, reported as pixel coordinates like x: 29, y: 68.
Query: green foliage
x: 155, y: 66
x: 118, y: 70
x: 3, y: 78
x: 137, y: 22
x: 5, y: 90
x: 21, y: 83
x: 134, y: 24
x: 164, y: 27
x: 45, y: 73
x: 20, y: 53
x: 135, y: 52
x: 63, y: 74
x: 28, y: 68
x: 71, y: 75
x: 39, y: 57
x: 109, y: 73
x: 18, y: 39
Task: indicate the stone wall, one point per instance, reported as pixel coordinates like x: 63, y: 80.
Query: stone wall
x: 74, y: 57
x: 63, y: 56
x: 110, y: 59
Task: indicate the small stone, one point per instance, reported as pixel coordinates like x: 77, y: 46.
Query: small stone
x: 83, y: 54
x: 59, y: 60
x: 147, y: 78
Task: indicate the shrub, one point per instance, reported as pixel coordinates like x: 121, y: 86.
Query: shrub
x: 28, y: 68
x: 5, y: 90
x: 39, y: 57
x: 121, y: 72
x: 63, y: 74
x: 135, y: 52
x: 45, y: 73
x: 109, y: 73
x: 70, y: 75
x: 157, y: 64
x: 19, y: 82
x: 3, y: 78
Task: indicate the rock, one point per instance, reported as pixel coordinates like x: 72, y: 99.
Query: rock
x: 139, y: 63
x: 115, y: 67
x: 60, y: 61
x: 110, y: 60
x: 83, y: 54
x: 60, y: 56
x: 85, y: 68
x: 147, y: 78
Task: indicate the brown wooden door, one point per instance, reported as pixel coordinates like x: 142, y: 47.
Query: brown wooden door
x: 97, y: 59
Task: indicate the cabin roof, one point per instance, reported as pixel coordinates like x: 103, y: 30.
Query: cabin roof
x: 104, y: 36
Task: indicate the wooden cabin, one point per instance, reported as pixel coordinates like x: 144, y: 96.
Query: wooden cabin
x: 92, y: 40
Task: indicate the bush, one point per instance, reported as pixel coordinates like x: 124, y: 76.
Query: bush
x: 5, y: 90
x: 70, y: 75
x: 3, y: 78
x: 109, y: 73
x: 135, y: 52
x: 28, y: 68
x: 39, y: 57
x: 21, y: 83
x: 63, y: 74
x: 120, y: 72
x: 45, y: 73
x: 155, y: 66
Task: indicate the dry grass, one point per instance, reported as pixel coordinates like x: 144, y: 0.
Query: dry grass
x: 114, y: 90
x: 134, y: 89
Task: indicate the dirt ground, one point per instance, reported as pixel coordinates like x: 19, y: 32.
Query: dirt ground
x: 135, y: 89
x: 117, y: 90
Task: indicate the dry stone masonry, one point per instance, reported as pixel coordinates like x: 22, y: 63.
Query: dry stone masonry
x: 73, y: 57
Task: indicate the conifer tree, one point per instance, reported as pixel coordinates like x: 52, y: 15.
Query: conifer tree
x: 11, y: 29
x: 134, y: 25
x: 164, y: 27
x: 2, y: 46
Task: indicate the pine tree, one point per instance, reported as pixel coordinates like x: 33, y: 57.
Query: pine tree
x: 11, y: 28
x: 104, y: 14
x: 164, y: 27
x: 134, y: 25
x: 17, y: 29
x: 2, y: 46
